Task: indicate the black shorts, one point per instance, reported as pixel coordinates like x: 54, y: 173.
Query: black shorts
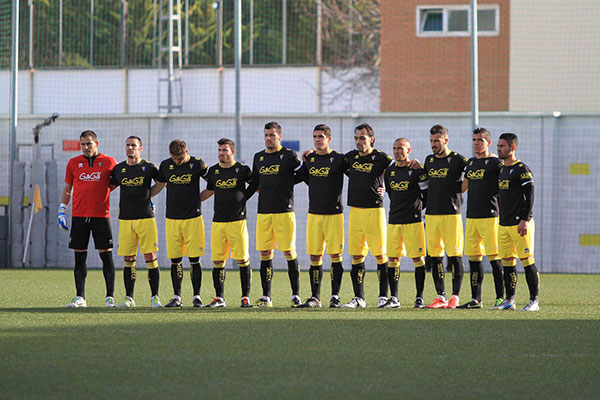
x: 81, y: 227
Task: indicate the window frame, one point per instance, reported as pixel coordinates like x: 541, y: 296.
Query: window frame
x: 445, y: 16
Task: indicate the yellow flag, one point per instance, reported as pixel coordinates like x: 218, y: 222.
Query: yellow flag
x: 37, y: 200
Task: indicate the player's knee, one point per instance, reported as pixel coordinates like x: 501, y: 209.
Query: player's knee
x: 315, y: 257
x: 219, y: 264
x: 176, y: 260
x: 358, y: 259
x: 394, y: 259
x: 475, y: 258
x: 381, y: 259
x: 243, y: 263
x: 336, y: 258
x: 194, y: 260
x: 290, y: 255
x: 129, y: 259
x: 526, y: 262
x: 419, y: 262
x: 152, y: 264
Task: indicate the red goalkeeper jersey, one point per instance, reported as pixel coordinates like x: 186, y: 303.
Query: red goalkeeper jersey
x: 90, y: 178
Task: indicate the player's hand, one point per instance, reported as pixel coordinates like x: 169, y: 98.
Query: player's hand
x: 381, y: 190
x: 62, y: 217
x: 307, y: 153
x: 153, y: 206
x: 522, y: 227
x: 414, y: 164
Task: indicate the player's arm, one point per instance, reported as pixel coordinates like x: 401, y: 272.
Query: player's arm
x: 465, y: 185
x: 156, y: 188
x: 206, y: 194
x: 64, y: 202
x: 253, y: 183
x: 527, y: 209
x: 423, y: 187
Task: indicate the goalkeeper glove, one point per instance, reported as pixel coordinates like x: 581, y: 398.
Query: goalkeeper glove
x: 62, y: 218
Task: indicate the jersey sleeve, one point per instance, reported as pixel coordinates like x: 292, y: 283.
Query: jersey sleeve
x: 203, y: 168
x: 69, y: 173
x: 209, y: 182
x: 161, y: 176
x: 154, y: 171
x: 113, y: 177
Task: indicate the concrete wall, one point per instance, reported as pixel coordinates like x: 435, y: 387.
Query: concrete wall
x: 566, y: 212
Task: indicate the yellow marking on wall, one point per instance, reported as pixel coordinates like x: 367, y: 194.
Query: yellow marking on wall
x: 589, y: 240
x: 4, y: 200
x: 579, y: 169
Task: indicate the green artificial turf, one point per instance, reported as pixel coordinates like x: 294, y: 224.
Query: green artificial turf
x: 48, y: 351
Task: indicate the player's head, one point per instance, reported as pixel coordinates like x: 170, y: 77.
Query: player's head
x: 178, y: 151
x: 89, y: 143
x: 226, y: 150
x: 364, y: 138
x: 133, y: 147
x: 438, y: 139
x: 272, y: 135
x: 482, y: 139
x: 402, y: 149
x: 321, y: 137
x: 507, y: 145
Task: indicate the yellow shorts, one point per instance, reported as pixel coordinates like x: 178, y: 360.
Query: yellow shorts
x: 137, y: 231
x: 513, y: 245
x: 325, y: 230
x: 481, y: 237
x: 185, y: 237
x: 444, y: 232
x: 277, y: 228
x: 406, y: 239
x: 367, y: 231
x: 226, y: 236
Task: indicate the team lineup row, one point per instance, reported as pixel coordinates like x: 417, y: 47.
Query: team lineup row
x: 499, y: 222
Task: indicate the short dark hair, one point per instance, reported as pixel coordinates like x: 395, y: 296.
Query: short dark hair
x: 177, y: 147
x: 438, y: 129
x: 403, y: 139
x: 511, y: 138
x: 323, y: 128
x: 89, y: 133
x: 228, y: 142
x: 483, y: 132
x: 135, y: 137
x: 273, y: 125
x: 366, y: 127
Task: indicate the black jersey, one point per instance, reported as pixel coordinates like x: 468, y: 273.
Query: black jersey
x: 365, y: 175
x: 515, y: 195
x: 445, y: 180
x: 274, y: 175
x: 324, y: 175
x: 183, y: 187
x: 404, y: 186
x: 229, y: 185
x: 135, y: 182
x: 482, y: 200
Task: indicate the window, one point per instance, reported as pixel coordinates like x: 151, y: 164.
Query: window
x: 455, y: 20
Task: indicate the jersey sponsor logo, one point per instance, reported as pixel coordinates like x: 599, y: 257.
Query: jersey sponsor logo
x: 504, y: 184
x: 401, y: 186
x: 271, y: 170
x: 137, y: 181
x: 366, y: 167
x: 92, y: 177
x: 261, y: 158
x: 478, y: 174
x: 230, y: 183
x: 438, y: 173
x: 184, y: 179
x: 80, y: 165
x: 323, y: 171
x: 526, y: 175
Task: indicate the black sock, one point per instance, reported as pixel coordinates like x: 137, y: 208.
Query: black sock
x: 294, y: 275
x: 245, y: 279
x: 458, y: 271
x: 383, y: 279
x: 358, y: 275
x: 108, y: 270
x: 533, y: 281
x: 428, y: 264
x: 129, y: 275
x: 218, y: 275
x: 476, y: 268
x: 437, y: 271
x: 510, y: 282
x: 420, y: 280
x: 266, y: 275
x: 316, y: 276
x: 80, y: 272
x: 393, y: 276
x: 153, y: 280
x: 196, y: 274
x: 498, y: 273
x: 176, y: 275
x: 337, y: 271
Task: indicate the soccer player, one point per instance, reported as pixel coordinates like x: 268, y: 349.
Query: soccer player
x: 324, y: 174
x: 227, y: 181
x: 367, y: 224
x: 136, y: 218
x: 445, y: 170
x: 87, y: 180
x: 181, y: 175
x: 481, y: 236
x: 517, y: 228
x: 274, y: 174
x: 407, y: 190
